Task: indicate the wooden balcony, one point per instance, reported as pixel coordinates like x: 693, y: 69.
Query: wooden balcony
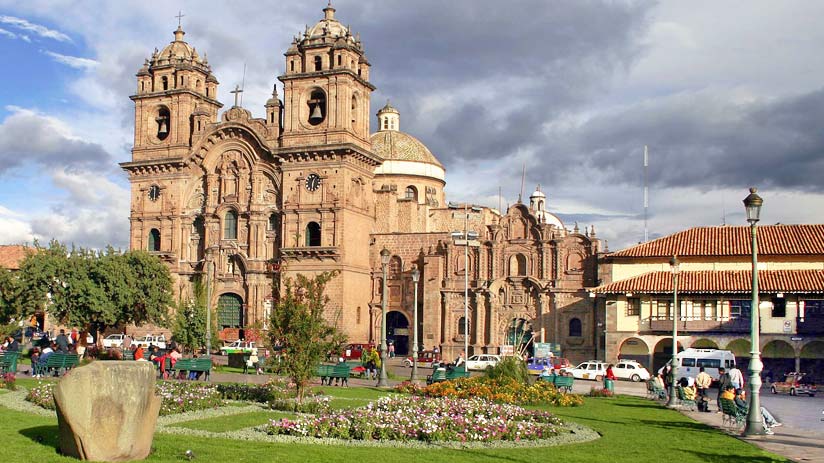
x: 810, y: 325
x: 664, y: 324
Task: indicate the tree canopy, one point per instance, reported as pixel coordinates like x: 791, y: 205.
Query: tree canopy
x: 95, y: 289
x: 300, y: 326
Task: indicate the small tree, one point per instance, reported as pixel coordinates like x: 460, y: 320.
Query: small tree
x: 299, y: 325
x: 190, y: 320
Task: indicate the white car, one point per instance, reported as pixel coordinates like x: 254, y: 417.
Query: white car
x: 150, y: 340
x: 630, y: 370
x: 593, y: 370
x: 482, y: 362
x: 238, y: 347
x: 113, y: 340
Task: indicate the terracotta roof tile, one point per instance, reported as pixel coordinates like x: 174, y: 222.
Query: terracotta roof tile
x: 733, y: 241
x: 12, y: 255
x: 723, y: 281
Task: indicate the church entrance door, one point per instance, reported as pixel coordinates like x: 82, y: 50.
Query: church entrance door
x: 397, y: 332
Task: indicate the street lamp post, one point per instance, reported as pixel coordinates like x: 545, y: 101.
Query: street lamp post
x: 755, y: 425
x: 382, y: 379
x: 466, y: 235
x: 416, y: 274
x: 675, y: 268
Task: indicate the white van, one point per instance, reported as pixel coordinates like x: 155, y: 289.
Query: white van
x: 690, y: 360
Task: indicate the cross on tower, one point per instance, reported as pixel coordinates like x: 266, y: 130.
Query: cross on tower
x: 179, y: 16
x: 236, y: 91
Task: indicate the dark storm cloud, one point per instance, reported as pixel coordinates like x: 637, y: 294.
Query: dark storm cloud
x: 708, y: 140
x: 27, y: 137
x: 527, y: 61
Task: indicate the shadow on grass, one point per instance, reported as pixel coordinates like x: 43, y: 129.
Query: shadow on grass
x: 46, y: 436
x: 735, y: 458
x: 680, y: 426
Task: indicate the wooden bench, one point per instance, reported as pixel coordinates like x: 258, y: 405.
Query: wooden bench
x: 732, y: 415
x: 203, y: 365
x: 56, y: 362
x: 682, y: 399
x: 562, y: 383
x: 8, y: 361
x: 324, y: 372
x: 340, y: 373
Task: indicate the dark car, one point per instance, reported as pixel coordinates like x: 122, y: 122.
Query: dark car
x: 426, y: 358
x: 355, y: 351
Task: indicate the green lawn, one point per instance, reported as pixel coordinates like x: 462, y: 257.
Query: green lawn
x: 634, y: 430
x: 234, y: 422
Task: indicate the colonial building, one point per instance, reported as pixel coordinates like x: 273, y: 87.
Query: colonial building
x: 246, y: 202
x: 714, y: 296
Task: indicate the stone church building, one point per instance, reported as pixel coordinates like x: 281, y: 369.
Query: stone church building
x: 247, y: 201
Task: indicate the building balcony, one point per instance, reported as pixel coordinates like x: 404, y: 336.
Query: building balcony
x: 809, y: 325
x: 687, y: 325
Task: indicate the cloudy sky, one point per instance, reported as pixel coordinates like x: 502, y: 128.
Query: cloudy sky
x: 726, y: 94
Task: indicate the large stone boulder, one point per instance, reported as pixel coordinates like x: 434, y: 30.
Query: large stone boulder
x: 107, y: 411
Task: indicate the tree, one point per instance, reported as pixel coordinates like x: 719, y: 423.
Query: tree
x: 190, y: 320
x: 94, y: 290
x: 299, y: 325
x: 9, y: 297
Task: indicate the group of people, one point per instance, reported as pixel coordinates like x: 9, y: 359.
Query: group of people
x: 10, y: 345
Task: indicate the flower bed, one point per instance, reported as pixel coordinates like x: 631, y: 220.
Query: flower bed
x: 176, y: 397
x: 499, y: 390
x: 425, y: 419
x: 8, y: 381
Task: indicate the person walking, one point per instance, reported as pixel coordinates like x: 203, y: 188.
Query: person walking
x: 724, y: 383
x: 702, y: 385
x: 737, y: 379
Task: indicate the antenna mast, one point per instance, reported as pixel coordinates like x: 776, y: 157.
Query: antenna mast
x: 523, y: 176
x: 243, y: 84
x: 646, y: 193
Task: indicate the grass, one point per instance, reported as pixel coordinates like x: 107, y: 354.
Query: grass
x: 633, y: 429
x: 234, y: 422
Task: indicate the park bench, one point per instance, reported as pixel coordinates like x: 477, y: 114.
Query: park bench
x: 340, y: 372
x: 442, y: 374
x: 56, y: 362
x: 203, y: 365
x: 732, y: 415
x: 324, y: 372
x: 655, y: 391
x: 682, y: 399
x: 8, y: 361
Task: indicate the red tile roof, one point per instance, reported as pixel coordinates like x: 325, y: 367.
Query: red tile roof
x: 722, y: 281
x: 733, y: 241
x: 12, y: 255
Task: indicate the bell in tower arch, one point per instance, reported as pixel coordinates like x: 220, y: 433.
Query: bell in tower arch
x: 317, y: 115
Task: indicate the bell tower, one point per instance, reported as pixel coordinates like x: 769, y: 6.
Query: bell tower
x: 326, y: 86
x: 328, y: 165
x: 175, y: 90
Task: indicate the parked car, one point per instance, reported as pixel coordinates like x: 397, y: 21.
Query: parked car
x: 630, y: 370
x: 795, y: 383
x: 427, y: 358
x: 113, y: 340
x: 238, y: 347
x: 536, y: 365
x: 482, y: 362
x: 151, y: 340
x: 592, y: 369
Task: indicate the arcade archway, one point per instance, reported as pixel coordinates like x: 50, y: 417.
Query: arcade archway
x: 635, y: 349
x: 662, y: 353
x: 779, y: 358
x: 704, y: 344
x: 741, y: 349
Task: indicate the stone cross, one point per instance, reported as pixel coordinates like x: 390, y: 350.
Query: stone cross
x: 179, y: 16
x: 236, y: 91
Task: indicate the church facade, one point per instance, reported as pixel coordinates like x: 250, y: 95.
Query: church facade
x: 246, y: 202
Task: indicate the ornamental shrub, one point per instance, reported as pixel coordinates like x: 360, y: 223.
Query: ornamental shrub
x: 510, y: 368
x: 8, y: 381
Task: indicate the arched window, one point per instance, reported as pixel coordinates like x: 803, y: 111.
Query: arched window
x: 318, y: 63
x: 154, y: 240
x: 340, y: 60
x: 230, y: 226
x: 354, y: 109
x: 207, y: 91
x: 198, y: 85
x: 273, y: 221
x: 313, y: 234
x: 163, y: 120
x: 292, y: 65
x: 575, y: 328
x: 462, y: 326
x: 517, y: 265
x: 198, y: 225
x: 165, y: 81
x: 386, y: 123
x: 411, y: 193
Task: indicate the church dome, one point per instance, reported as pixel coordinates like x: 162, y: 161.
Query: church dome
x: 178, y: 51
x: 329, y: 29
x: 402, y: 153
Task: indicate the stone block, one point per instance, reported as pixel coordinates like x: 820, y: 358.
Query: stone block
x: 107, y: 411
